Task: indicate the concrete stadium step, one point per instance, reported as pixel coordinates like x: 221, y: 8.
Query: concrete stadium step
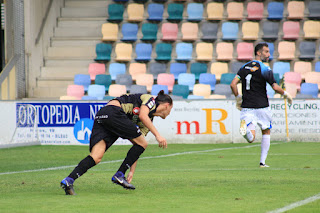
x: 86, y: 4
x: 54, y: 82
x: 67, y: 62
x: 68, y: 72
x: 50, y: 92
x: 81, y: 22
x: 72, y: 52
x: 78, y: 32
x: 74, y: 42
x: 84, y: 12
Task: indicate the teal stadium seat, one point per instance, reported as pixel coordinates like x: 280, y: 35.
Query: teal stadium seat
x: 175, y: 12
x: 103, y: 79
x: 226, y: 78
x: 115, y: 12
x: 163, y: 51
x: 198, y: 68
x: 181, y: 90
x: 103, y: 52
x: 149, y: 32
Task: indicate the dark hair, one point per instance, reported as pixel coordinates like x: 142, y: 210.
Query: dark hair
x: 259, y: 47
x: 163, y: 98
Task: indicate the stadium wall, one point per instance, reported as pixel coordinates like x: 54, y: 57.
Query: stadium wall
x: 209, y: 121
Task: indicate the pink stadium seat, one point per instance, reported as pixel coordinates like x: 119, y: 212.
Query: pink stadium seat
x: 295, y: 9
x: 169, y: 31
x: 202, y: 90
x: 136, y: 69
x: 235, y: 10
x: 189, y: 31
x: 291, y: 30
x: 255, y: 10
x: 75, y: 91
x: 224, y: 51
x: 145, y: 80
x: 313, y: 77
x: 286, y: 50
x: 302, y: 67
x: 166, y: 79
x: 291, y: 89
x: 245, y: 51
x: 116, y: 90
x: 96, y: 69
x: 293, y: 78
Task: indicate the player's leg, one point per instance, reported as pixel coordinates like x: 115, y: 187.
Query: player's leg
x: 247, y: 127
x: 265, y: 146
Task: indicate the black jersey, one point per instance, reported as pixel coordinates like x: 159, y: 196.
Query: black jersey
x: 254, y: 76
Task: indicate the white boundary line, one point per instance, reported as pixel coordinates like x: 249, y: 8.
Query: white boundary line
x: 150, y: 157
x: 297, y: 204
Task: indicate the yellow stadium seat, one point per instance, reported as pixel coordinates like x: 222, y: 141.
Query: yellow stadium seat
x: 202, y: 90
x: 218, y: 68
x: 215, y: 11
x: 109, y: 32
x: 302, y: 67
x: 135, y: 12
x: 123, y: 51
x: 204, y: 51
x: 116, y: 90
x: 311, y: 29
x: 313, y: 77
x: 250, y: 30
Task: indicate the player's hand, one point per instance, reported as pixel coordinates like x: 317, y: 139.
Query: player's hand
x: 288, y: 97
x: 239, y: 102
x: 130, y: 176
x: 162, y: 141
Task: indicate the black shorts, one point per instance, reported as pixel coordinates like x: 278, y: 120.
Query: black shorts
x: 110, y: 123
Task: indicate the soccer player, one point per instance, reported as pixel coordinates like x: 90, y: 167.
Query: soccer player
x: 129, y: 117
x: 254, y: 103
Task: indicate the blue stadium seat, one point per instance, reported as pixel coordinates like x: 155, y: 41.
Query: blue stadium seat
x: 314, y: 9
x: 281, y: 68
x: 88, y: 98
x: 149, y: 32
x: 198, y: 68
x: 195, y: 97
x: 309, y: 89
x: 163, y: 51
x: 177, y: 68
x: 103, y: 52
x: 208, y: 78
x: 307, y: 50
x: 230, y: 30
x: 175, y: 11
x: 155, y: 12
x: 156, y: 88
x: 271, y: 48
x: 223, y: 89
x: 226, y: 78
x: 156, y: 68
x: 82, y: 79
x: 115, y: 69
x: 115, y: 12
x: 143, y: 52
x: 124, y: 79
x: 97, y: 91
x: 184, y: 51
x: 181, y: 90
x: 270, y: 30
x: 188, y: 79
x: 103, y: 79
x: 134, y: 89
x: 317, y: 66
x: 195, y: 11
x: 209, y: 31
x: 129, y: 32
x: 275, y: 10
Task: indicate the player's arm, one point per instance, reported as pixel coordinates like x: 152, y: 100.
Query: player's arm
x: 279, y: 90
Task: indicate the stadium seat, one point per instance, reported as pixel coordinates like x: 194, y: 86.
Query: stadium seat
x: 177, y: 68
x: 188, y: 79
x: 218, y: 68
x: 309, y: 89
x: 202, y: 90
x: 124, y: 79
x: 208, y: 78
x: 276, y: 77
x: 226, y: 78
x: 293, y: 78
x: 175, y: 11
x: 295, y: 10
x: 311, y: 29
x: 69, y: 98
x: 134, y: 89
x: 215, y: 11
x: 129, y: 32
x: 116, y: 90
x: 149, y: 32
x: 116, y: 69
x: 224, y: 51
x: 166, y: 79
x: 314, y: 9
x: 313, y: 77
x: 163, y: 51
x: 223, y: 89
x: 195, y: 11
x: 75, y: 91
x: 235, y: 66
x: 197, y: 69
x: 103, y: 79
x: 255, y: 10
x: 286, y: 50
x: 281, y: 68
x: 235, y: 10
x: 156, y: 68
x: 143, y: 52
x: 82, y: 79
x: 291, y: 30
x: 184, y: 51
x: 195, y: 97
x: 189, y: 31
x: 245, y: 51
x: 307, y: 50
x: 209, y: 31
x: 270, y: 30
x: 230, y: 30
x: 275, y: 10
x: 135, y: 12
x: 250, y: 30
x: 95, y: 69
x: 302, y: 67
x: 97, y: 91
x: 136, y: 69
x: 145, y: 80
x: 109, y: 32
x: 180, y: 90
x: 155, y: 12
x: 103, y: 52
x: 271, y: 49
x: 291, y: 89
x: 123, y: 52
x: 156, y: 88
x: 115, y: 12
x: 204, y: 51
x: 317, y: 66
x: 169, y: 31
x: 88, y: 98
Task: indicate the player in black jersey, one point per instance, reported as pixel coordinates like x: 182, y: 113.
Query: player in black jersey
x: 254, y: 103
x: 129, y: 117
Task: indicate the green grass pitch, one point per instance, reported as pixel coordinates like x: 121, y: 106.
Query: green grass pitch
x: 187, y: 178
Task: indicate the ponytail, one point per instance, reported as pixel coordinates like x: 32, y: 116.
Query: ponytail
x: 163, y: 98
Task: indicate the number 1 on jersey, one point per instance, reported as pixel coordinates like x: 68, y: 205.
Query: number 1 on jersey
x: 248, y: 78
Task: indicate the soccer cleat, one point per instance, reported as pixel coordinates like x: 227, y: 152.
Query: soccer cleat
x: 262, y: 165
x: 243, y: 127
x: 121, y: 180
x: 67, y: 185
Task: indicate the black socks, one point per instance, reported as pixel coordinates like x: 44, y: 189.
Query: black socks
x: 132, y: 156
x: 82, y: 167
